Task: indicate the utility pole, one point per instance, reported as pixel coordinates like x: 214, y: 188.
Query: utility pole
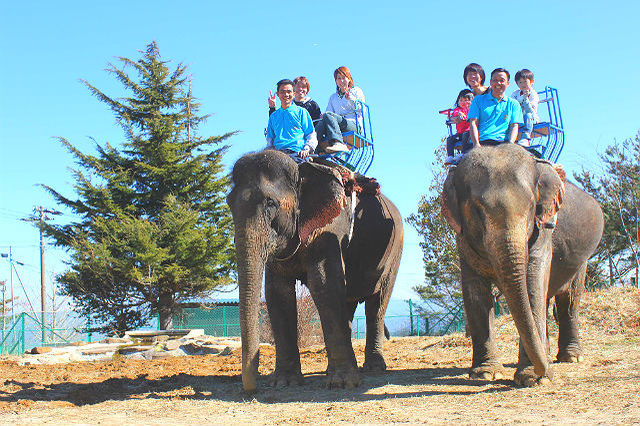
x: 42, y: 212
x: 11, y: 283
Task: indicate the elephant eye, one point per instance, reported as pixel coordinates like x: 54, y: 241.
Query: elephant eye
x: 478, y: 210
x: 271, y: 205
x: 271, y: 202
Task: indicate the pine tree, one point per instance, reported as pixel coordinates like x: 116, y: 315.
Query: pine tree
x: 153, y: 224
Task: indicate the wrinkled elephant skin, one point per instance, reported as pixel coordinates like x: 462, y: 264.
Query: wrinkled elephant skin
x: 297, y: 223
x: 521, y: 225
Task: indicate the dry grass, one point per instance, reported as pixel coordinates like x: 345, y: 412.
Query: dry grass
x: 612, y: 311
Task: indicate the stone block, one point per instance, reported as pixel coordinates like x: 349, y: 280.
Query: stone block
x: 173, y: 344
x: 40, y: 350
x: 115, y: 340
x: 134, y: 348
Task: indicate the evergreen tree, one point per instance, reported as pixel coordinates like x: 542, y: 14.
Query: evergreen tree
x: 153, y: 224
x: 617, y: 189
x: 441, y: 288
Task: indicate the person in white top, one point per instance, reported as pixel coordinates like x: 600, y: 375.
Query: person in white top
x: 340, y: 115
x: 528, y: 99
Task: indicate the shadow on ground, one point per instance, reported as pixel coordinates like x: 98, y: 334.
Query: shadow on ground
x: 440, y: 381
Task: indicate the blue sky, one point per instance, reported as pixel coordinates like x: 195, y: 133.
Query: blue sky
x: 408, y: 58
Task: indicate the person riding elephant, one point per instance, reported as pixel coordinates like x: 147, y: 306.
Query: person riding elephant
x: 304, y: 222
x: 521, y: 225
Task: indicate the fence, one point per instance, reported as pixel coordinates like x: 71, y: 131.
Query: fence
x: 216, y: 321
x: 26, y: 330
x: 225, y: 321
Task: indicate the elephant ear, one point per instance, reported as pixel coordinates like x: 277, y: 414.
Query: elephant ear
x: 549, y: 193
x: 322, y: 199
x: 449, y: 205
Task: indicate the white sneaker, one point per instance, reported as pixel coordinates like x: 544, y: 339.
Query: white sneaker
x: 337, y: 147
x: 523, y: 142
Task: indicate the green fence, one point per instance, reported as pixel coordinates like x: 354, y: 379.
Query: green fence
x: 225, y: 321
x: 216, y: 321
x: 27, y: 330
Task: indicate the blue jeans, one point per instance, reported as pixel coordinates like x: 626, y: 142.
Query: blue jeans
x: 463, y: 139
x: 331, y: 127
x: 528, y: 125
x: 295, y: 157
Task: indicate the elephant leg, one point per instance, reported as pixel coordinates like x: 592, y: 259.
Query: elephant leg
x: 537, y: 286
x: 375, y: 308
x: 567, y: 306
x: 479, y: 308
x: 281, y: 303
x: 326, y: 282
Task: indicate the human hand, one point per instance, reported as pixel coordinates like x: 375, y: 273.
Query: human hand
x: 462, y: 116
x: 304, y: 153
x: 271, y: 100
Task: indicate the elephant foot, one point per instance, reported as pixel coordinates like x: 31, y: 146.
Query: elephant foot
x: 343, y: 378
x: 487, y: 372
x: 528, y: 378
x: 280, y: 379
x: 569, y: 356
x: 374, y: 362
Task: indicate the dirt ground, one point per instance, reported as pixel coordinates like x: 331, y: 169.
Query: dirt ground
x: 427, y: 382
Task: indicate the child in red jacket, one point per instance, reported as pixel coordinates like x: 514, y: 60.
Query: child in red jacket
x: 462, y: 127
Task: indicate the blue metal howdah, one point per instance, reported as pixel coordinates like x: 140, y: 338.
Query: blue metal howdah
x: 360, y: 141
x: 547, y: 137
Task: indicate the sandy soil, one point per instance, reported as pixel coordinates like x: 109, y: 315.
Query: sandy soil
x: 427, y: 382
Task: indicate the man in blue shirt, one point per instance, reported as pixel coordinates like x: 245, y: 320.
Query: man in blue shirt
x: 290, y: 128
x: 494, y: 118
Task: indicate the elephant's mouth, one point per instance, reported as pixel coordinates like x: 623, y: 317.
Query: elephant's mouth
x: 478, y: 260
x: 291, y: 249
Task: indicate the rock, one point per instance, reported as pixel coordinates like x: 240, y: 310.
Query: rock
x: 135, y: 355
x: 40, y: 350
x: 75, y: 357
x: 161, y: 338
x: 196, y: 349
x: 173, y: 334
x: 96, y: 351
x: 54, y: 359
x: 115, y: 340
x: 167, y: 354
x: 78, y: 343
x: 148, y: 355
x: 134, y: 348
x: 173, y: 344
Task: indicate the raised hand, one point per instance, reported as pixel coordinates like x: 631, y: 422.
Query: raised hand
x: 271, y: 100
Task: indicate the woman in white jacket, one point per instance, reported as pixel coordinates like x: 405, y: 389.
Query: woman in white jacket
x: 340, y: 115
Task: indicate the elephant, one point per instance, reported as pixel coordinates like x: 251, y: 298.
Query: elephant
x: 521, y: 225
x: 298, y: 222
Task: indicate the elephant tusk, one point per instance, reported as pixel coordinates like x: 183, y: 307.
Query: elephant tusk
x: 353, y: 214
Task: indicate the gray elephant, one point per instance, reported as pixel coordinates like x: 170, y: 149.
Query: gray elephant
x: 301, y: 223
x: 521, y: 225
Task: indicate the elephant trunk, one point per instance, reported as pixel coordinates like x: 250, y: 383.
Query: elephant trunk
x: 511, y: 263
x: 250, y: 274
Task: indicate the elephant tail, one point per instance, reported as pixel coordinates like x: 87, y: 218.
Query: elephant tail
x: 386, y: 332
